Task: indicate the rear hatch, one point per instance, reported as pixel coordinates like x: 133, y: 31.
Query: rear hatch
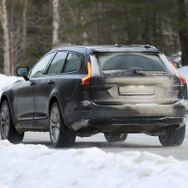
x: 132, y: 78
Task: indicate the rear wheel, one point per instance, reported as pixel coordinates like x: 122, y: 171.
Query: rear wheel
x: 60, y: 135
x: 173, y: 137
x: 115, y: 137
x: 7, y: 128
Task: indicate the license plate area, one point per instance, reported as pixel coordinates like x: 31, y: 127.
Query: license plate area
x: 132, y: 90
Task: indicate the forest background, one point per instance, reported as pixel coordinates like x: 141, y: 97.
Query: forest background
x: 30, y: 28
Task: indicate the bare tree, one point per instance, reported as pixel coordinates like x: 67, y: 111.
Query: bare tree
x: 6, y: 37
x: 17, y: 32
x: 14, y: 33
x: 55, y: 24
x: 25, y: 23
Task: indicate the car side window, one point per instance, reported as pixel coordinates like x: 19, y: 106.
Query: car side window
x: 40, y: 67
x: 73, y: 62
x: 57, y: 63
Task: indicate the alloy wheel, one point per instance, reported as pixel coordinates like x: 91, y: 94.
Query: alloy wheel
x: 55, y: 124
x: 5, y: 122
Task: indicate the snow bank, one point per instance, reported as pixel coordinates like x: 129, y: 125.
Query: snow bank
x: 37, y: 166
x: 184, y: 72
x: 5, y: 81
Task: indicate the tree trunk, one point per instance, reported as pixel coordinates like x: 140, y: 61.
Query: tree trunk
x: 55, y: 24
x: 4, y: 23
x: 183, y: 30
x: 11, y: 35
x: 25, y: 23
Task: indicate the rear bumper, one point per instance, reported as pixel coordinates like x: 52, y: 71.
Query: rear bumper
x: 130, y: 118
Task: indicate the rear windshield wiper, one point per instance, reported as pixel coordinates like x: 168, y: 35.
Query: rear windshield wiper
x: 114, y: 71
x: 138, y: 71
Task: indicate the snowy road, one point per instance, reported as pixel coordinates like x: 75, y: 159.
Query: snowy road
x: 134, y: 142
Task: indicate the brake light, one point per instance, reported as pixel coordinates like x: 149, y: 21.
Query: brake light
x: 182, y: 79
x: 86, y: 80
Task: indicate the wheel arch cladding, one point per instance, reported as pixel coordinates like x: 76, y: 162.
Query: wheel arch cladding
x: 54, y: 99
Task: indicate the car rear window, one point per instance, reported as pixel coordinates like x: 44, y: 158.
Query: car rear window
x: 130, y: 62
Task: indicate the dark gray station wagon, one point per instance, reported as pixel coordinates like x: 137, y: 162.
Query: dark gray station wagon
x: 83, y: 90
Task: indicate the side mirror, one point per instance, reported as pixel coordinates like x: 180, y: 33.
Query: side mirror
x: 23, y: 71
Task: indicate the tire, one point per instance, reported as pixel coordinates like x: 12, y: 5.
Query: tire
x: 173, y: 137
x: 115, y: 137
x: 7, y: 128
x: 60, y: 135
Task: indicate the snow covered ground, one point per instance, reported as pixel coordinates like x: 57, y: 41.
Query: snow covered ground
x: 31, y: 166
x: 37, y: 166
x: 5, y: 81
x: 184, y: 72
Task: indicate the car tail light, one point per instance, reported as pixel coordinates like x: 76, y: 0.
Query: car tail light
x: 86, y: 79
x: 182, y: 79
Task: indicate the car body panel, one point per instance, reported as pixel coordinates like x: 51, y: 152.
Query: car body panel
x: 22, y: 93
x: 43, y: 89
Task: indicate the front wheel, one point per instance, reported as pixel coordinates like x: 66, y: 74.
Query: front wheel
x: 60, y: 135
x: 173, y: 137
x: 7, y: 128
x: 115, y: 137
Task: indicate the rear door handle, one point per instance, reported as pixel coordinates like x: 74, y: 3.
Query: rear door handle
x: 50, y: 82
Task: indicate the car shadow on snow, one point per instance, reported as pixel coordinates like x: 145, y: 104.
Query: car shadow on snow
x: 102, y: 145
x: 112, y: 145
